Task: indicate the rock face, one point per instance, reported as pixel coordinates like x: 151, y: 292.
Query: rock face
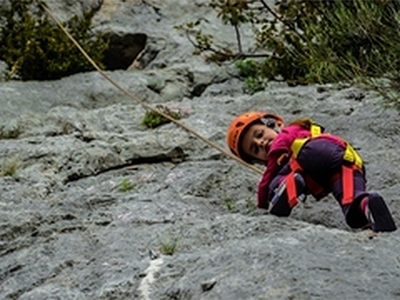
x: 99, y: 200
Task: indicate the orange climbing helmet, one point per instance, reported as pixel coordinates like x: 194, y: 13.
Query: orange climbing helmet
x: 239, y: 125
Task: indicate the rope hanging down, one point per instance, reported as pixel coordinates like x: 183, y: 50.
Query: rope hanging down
x: 138, y: 100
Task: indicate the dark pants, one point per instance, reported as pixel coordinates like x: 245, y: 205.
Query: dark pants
x: 322, y: 160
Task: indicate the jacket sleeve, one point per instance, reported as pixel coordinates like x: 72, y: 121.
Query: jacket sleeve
x: 269, y: 174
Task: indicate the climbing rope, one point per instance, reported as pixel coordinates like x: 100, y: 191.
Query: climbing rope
x: 140, y: 101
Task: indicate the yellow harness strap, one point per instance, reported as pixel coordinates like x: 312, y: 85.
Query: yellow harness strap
x: 298, y: 144
x: 352, y: 156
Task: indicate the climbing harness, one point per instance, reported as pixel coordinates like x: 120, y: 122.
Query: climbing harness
x: 352, y: 162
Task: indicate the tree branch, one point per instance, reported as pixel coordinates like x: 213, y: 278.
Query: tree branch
x: 290, y: 26
x: 237, y: 32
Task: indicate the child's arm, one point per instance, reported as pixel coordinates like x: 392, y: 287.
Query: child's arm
x: 272, y: 169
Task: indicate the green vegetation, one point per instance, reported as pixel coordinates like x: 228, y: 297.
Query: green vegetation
x: 125, y: 185
x: 305, y: 42
x: 169, y: 247
x: 9, y: 133
x: 230, y: 205
x: 153, y: 119
x: 35, y: 48
x: 250, y: 205
x: 10, y: 168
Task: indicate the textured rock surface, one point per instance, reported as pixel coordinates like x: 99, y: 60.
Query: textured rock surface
x: 98, y: 195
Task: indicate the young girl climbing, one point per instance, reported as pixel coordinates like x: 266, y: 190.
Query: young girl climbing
x: 301, y: 159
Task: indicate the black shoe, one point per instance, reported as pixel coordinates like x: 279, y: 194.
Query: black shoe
x: 378, y: 214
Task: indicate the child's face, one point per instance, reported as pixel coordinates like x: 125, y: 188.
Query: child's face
x: 257, y: 141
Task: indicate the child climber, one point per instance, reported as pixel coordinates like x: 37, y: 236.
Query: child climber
x: 301, y: 159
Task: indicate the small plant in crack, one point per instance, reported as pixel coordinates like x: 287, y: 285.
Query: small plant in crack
x: 10, y: 133
x: 10, y: 168
x: 250, y: 205
x: 153, y: 119
x: 169, y: 246
x: 230, y: 205
x: 125, y: 186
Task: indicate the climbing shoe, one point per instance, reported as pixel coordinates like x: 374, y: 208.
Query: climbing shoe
x: 378, y: 214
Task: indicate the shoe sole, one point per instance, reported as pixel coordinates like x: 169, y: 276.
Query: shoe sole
x: 382, y: 218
